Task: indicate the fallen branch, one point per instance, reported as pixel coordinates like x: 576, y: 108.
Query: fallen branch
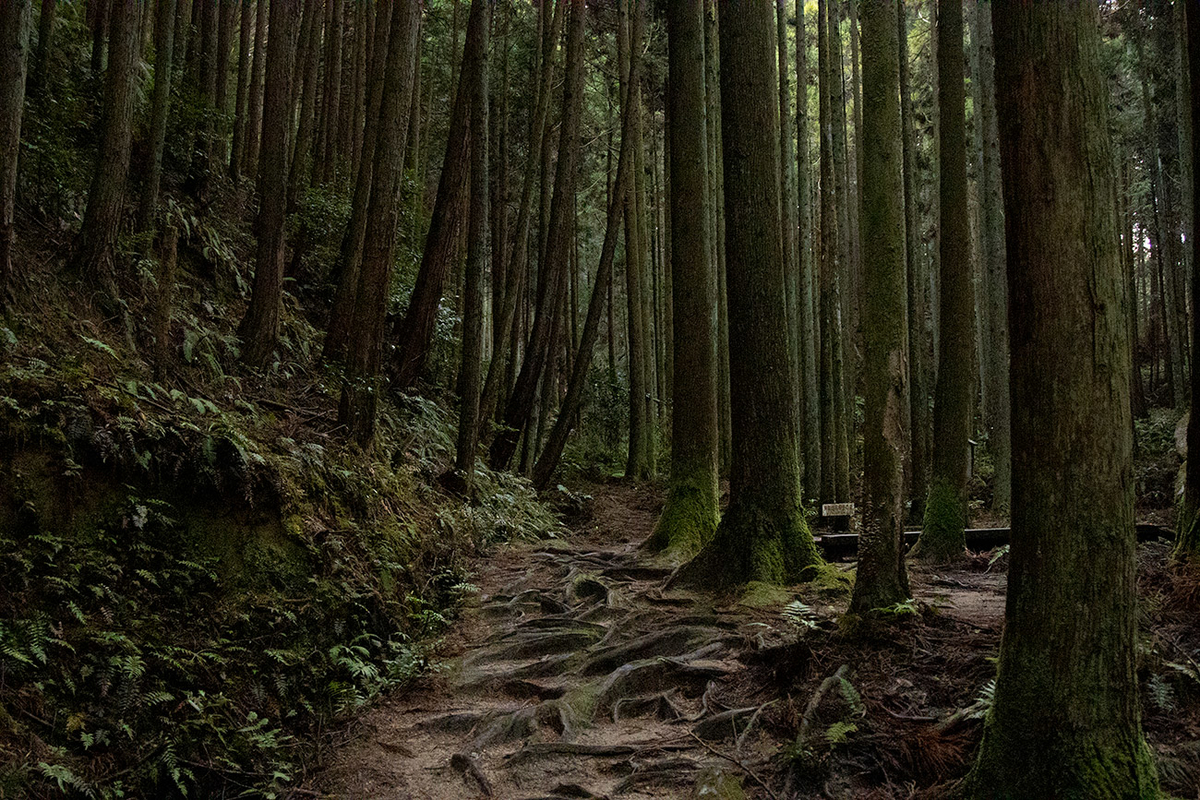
x: 810, y: 711
x: 741, y: 740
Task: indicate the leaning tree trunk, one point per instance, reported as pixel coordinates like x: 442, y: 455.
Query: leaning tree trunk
x: 954, y: 393
x: 691, y: 514
x: 14, y: 53
x: 882, y: 580
x: 763, y: 535
x: 1065, y: 722
x: 95, y: 252
x: 259, y: 329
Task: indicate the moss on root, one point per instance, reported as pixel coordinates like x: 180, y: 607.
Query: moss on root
x: 687, y: 523
x: 754, y: 545
x: 942, y: 537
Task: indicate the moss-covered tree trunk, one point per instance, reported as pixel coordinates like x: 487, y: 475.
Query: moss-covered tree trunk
x: 1065, y: 723
x: 691, y: 513
x: 763, y: 535
x: 954, y: 393
x: 1188, y: 544
x: 882, y: 580
x: 14, y: 53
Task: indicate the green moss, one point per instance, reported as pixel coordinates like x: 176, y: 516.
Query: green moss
x: 752, y: 544
x: 942, y: 538
x: 687, y: 523
x: 757, y: 594
x: 714, y: 784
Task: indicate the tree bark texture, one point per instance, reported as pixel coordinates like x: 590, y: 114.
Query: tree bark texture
x: 164, y: 48
x: 14, y: 55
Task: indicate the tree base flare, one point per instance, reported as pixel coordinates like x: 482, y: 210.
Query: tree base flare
x: 942, y: 537
x: 752, y: 545
x: 687, y: 523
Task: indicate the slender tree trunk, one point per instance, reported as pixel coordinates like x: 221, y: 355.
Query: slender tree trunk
x: 841, y: 330
x: 787, y: 216
x: 237, y: 153
x: 259, y: 329
x: 1188, y: 544
x: 807, y: 295
x: 552, y: 283
x: 307, y: 67
x: 690, y: 517
x: 918, y: 469
x: 478, y: 233
x: 95, y: 248
x: 882, y: 580
x: 997, y: 410
x: 763, y: 535
x: 164, y: 46
x: 254, y: 111
x: 365, y: 352
x: 332, y: 97
x: 1065, y: 722
x: 712, y: 58
x: 14, y: 53
x: 40, y: 72
x: 946, y: 510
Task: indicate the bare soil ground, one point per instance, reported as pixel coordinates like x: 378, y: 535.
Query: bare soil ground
x: 575, y: 674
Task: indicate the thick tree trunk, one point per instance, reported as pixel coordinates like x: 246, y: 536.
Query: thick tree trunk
x: 360, y: 396
x: 164, y: 46
x: 478, y: 233
x: 954, y: 394
x: 1065, y: 722
x: 14, y: 53
x: 691, y: 514
x: 259, y: 329
x: 94, y: 255
x: 881, y: 580
x: 763, y: 535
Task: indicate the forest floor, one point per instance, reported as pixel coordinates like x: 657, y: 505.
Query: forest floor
x: 575, y: 674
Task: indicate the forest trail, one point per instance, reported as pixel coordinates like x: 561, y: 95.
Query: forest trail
x: 574, y: 674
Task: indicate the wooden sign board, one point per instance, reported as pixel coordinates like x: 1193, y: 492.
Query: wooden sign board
x: 837, y: 510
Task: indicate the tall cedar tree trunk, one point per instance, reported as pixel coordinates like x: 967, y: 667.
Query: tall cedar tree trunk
x: 478, y: 233
x: 691, y: 514
x: 1189, y: 532
x: 254, y: 111
x: 854, y: 212
x: 94, y: 255
x: 763, y: 535
x: 954, y: 395
x: 307, y: 69
x: 918, y: 374
x: 1065, y: 722
x: 637, y: 463
x: 14, y: 53
x: 882, y: 580
x: 259, y: 329
x: 237, y: 151
x: 345, y: 273
x: 40, y: 71
x: 995, y: 350
x: 164, y: 48
x: 516, y: 257
x: 329, y: 153
x: 543, y: 470
x: 414, y: 331
x: 787, y: 216
x: 365, y: 348
x: 809, y: 325
x: 552, y: 284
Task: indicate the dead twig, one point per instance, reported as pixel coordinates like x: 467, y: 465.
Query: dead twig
x: 740, y: 765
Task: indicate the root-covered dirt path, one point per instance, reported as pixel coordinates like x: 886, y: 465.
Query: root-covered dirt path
x: 574, y: 674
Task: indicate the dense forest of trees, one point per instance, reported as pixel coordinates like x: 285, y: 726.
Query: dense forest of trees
x: 932, y: 258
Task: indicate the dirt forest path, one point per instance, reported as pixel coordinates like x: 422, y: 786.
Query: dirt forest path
x: 574, y: 674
